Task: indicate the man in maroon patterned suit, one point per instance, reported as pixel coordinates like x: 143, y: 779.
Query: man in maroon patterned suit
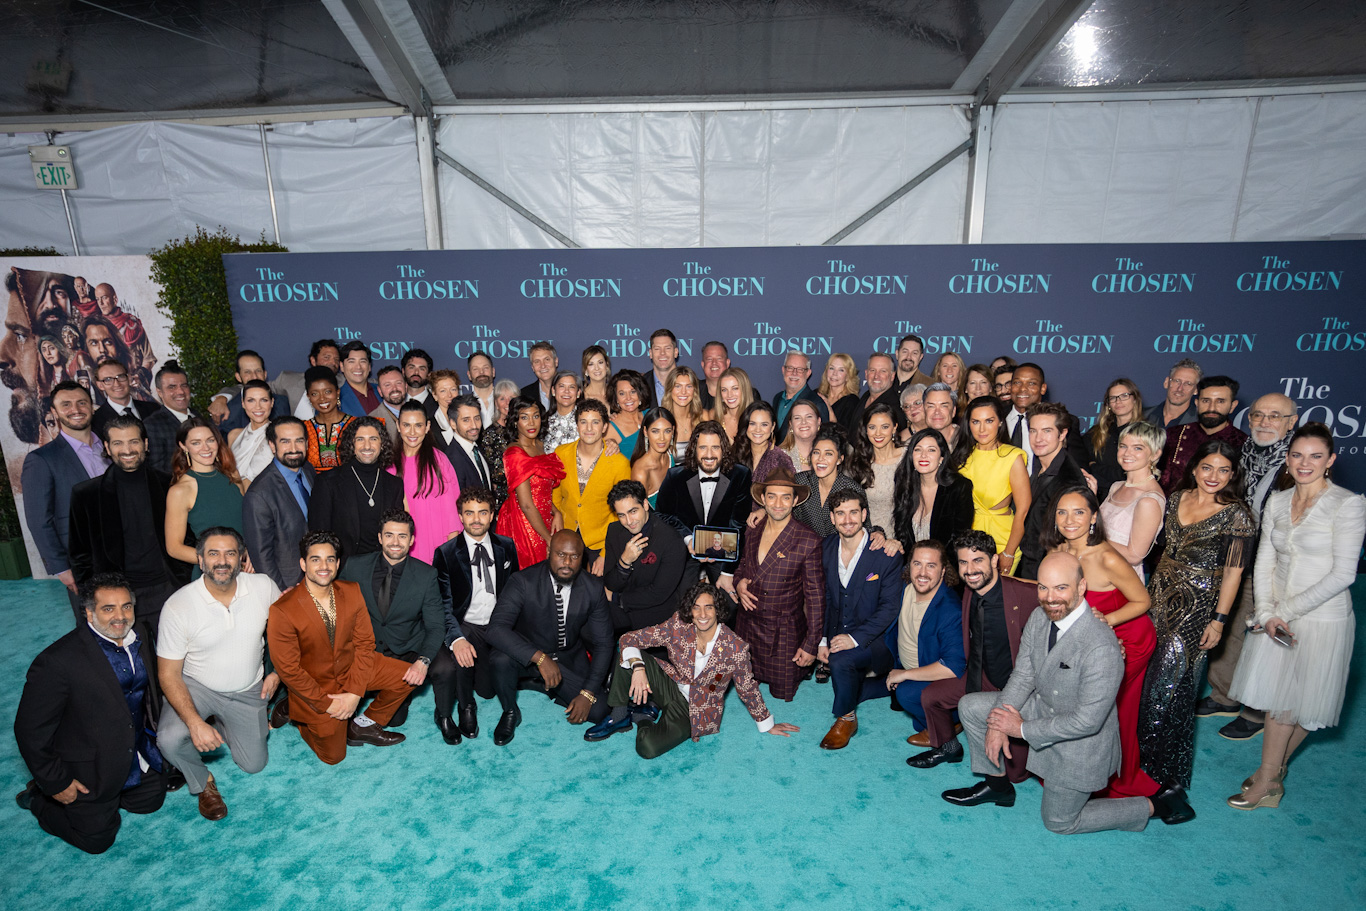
x: 682, y: 698
x: 781, y: 586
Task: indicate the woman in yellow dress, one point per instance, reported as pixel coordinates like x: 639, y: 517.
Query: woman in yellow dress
x: 1000, y: 481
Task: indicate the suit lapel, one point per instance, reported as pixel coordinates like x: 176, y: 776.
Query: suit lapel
x: 717, y: 498
x: 694, y: 490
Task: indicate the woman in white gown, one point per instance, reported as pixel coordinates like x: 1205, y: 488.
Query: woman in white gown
x: 1307, y: 560
x: 248, y: 444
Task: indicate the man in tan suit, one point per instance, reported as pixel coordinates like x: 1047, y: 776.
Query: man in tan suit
x: 323, y: 648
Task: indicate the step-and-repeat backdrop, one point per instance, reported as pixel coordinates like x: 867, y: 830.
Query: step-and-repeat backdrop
x: 1285, y: 317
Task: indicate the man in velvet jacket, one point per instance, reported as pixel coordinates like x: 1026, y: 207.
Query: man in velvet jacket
x: 709, y: 488
x: 862, y: 596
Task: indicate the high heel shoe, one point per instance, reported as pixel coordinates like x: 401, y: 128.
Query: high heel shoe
x: 1271, y: 798
x: 1249, y: 781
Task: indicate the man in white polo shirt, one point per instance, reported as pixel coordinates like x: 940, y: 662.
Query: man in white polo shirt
x: 210, y: 652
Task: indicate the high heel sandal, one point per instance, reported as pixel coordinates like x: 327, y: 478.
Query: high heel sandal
x: 1270, y: 798
x: 1248, y: 782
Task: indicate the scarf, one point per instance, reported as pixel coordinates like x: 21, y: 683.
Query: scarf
x: 1258, y: 462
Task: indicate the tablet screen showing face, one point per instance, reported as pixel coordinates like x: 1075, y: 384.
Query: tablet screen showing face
x: 710, y: 542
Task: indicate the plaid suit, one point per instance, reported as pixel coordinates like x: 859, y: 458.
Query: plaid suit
x: 790, y: 587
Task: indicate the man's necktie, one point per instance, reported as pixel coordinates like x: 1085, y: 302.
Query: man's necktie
x: 483, y: 473
x: 385, y: 591
x: 562, y: 617
x: 1016, y: 435
x: 303, y: 491
x: 485, y: 564
x: 1052, y: 635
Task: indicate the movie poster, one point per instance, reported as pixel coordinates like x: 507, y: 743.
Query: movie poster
x: 67, y: 313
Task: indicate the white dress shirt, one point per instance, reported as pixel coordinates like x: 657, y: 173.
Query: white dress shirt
x: 481, y: 602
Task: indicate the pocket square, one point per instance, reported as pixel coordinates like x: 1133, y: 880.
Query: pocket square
x: 1063, y: 665
x: 872, y: 577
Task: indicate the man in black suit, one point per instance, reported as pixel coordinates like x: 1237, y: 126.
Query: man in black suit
x: 162, y: 425
x: 471, y: 571
x: 880, y: 374
x: 545, y: 363
x: 116, y: 385
x: 1054, y: 470
x: 404, y: 604
x: 118, y: 524
x: 50, y: 474
x: 350, y: 499
x: 796, y: 371
x: 645, y: 563
x: 86, y: 724
x: 471, y: 469
x: 275, y: 507
x: 417, y: 365
x: 709, y: 488
x: 548, y: 622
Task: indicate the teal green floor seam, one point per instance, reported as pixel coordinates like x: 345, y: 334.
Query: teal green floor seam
x: 740, y: 820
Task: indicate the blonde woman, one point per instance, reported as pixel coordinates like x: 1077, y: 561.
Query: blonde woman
x: 684, y: 403
x: 951, y: 369
x: 734, y: 393
x: 1133, y: 509
x: 839, y: 388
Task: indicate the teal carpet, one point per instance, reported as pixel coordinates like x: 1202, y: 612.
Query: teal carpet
x: 740, y: 820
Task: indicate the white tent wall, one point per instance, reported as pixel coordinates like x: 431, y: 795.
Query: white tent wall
x: 687, y: 179
x: 339, y: 185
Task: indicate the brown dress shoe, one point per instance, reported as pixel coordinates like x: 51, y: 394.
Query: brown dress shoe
x: 279, y: 716
x: 838, y: 736
x: 921, y: 739
x: 211, y: 805
x: 372, y: 734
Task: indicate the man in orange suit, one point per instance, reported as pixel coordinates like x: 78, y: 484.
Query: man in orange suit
x: 323, y: 648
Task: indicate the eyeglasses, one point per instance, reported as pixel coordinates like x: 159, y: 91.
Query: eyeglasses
x: 787, y: 369
x: 1001, y: 387
x: 1122, y: 397
x: 114, y: 380
x: 1268, y: 417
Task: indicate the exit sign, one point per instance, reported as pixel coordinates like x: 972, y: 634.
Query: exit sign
x: 53, y: 167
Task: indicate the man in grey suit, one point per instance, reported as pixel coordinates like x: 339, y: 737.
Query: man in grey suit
x: 49, y: 475
x: 275, y: 506
x: 1064, y: 684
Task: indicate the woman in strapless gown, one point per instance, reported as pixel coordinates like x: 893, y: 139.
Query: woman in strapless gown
x: 1134, y: 508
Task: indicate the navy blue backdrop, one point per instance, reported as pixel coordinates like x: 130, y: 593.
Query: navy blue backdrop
x: 1285, y: 317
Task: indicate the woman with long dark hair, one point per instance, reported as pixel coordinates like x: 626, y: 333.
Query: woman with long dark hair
x: 1306, y: 563
x: 597, y: 368
x: 933, y: 502
x: 561, y: 424
x: 529, y: 516
x: 756, y: 447
x: 1210, y: 534
x: 206, y: 491
x: 1000, y: 481
x: 430, y: 488
x: 824, y: 480
x: 873, y: 462
x: 654, y: 454
x: 1122, y: 406
x: 627, y: 394
x: 1116, y: 592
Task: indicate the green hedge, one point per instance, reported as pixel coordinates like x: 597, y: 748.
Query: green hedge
x: 194, y: 294
x: 31, y: 251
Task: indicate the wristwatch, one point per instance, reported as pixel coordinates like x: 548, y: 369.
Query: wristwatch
x: 425, y: 660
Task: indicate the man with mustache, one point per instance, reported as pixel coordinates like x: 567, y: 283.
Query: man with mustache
x: 275, y: 507
x: 210, y: 663
x: 86, y: 723
x: 350, y: 499
x: 1271, y: 421
x: 129, y: 328
x: 1061, y: 701
x: 479, y: 368
x: 417, y: 366
x: 926, y: 642
x: 51, y: 473
x: 118, y: 523
x: 1216, y: 400
x: 38, y: 301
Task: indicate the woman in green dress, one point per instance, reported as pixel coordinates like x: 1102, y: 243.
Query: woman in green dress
x: 206, y: 491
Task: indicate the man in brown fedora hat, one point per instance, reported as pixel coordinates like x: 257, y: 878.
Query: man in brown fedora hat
x: 780, y: 583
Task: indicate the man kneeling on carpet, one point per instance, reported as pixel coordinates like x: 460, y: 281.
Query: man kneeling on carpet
x: 323, y: 647
x: 1064, y: 683
x: 683, y: 697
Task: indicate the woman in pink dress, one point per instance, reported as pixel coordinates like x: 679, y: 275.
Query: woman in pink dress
x: 430, y: 489
x: 529, y: 516
x: 1117, y: 595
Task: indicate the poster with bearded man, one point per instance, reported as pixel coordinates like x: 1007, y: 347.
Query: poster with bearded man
x: 66, y: 314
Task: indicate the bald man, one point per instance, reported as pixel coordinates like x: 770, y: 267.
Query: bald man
x: 1270, y: 422
x: 1061, y: 700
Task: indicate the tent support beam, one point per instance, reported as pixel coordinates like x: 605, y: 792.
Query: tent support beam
x: 426, y: 170
x: 270, y: 184
x: 899, y: 192
x: 507, y: 200
x: 979, y: 159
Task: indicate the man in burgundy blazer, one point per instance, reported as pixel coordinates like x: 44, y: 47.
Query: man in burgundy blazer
x: 995, y: 610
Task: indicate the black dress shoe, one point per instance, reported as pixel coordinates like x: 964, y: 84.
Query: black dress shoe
x: 25, y: 797
x: 449, y: 732
x: 647, y: 713
x: 469, y: 721
x: 948, y: 751
x: 506, y: 728
x: 1171, y: 806
x: 175, y: 779
x: 980, y: 793
x: 279, y: 716
x: 606, y: 728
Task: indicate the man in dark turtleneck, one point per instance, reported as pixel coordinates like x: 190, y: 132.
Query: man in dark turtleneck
x: 350, y: 499
x: 118, y: 523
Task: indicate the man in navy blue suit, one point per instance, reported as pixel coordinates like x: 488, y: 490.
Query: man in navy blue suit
x: 926, y: 642
x: 863, y: 590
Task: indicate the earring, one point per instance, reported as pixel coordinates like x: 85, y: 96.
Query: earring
x: 1093, y: 529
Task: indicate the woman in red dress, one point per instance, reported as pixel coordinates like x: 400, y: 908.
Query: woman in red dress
x: 1117, y: 595
x: 528, y: 516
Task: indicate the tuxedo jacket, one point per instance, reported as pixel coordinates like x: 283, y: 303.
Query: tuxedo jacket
x: 941, y: 635
x: 1067, y: 700
x: 273, y: 524
x: 416, y: 621
x: 525, y: 621
x: 455, y: 576
x: 50, y: 474
x: 335, y: 507
x: 729, y: 660
x: 96, y: 530
x: 680, y: 496
x: 73, y: 720
x: 308, y: 665
x: 466, y: 475
x: 872, y: 601
x: 106, y: 413
x: 1021, y: 599
x: 648, y: 592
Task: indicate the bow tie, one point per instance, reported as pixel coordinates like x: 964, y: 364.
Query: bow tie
x: 708, y: 480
